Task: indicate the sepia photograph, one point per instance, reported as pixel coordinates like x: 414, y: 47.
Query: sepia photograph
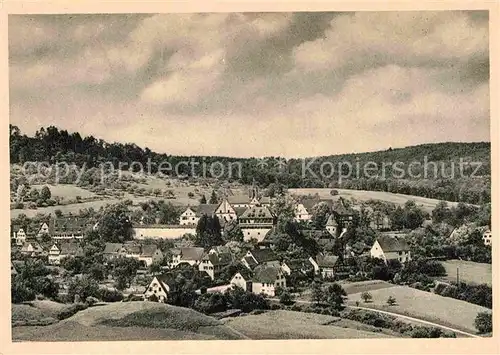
x: 250, y: 176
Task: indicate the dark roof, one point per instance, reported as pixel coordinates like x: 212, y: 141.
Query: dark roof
x: 69, y: 224
x: 239, y: 210
x: 191, y: 253
x: 257, y: 212
x: 112, y: 248
x: 264, y: 255
x: 71, y: 248
x: 341, y: 208
x: 299, y: 264
x: 148, y: 250
x: 167, y: 279
x: 250, y: 261
x: 205, y: 209
x: 390, y: 243
x: 132, y: 248
x: 266, y: 274
x: 309, y: 203
x: 326, y: 260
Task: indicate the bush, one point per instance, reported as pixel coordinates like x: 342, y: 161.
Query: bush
x: 366, y: 296
x: 483, y: 322
x: 71, y: 310
x: 286, y: 297
x: 110, y: 295
x: 391, y: 301
x: 91, y: 301
x: 211, y: 303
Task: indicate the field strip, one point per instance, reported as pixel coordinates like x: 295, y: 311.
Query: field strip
x: 418, y: 320
x: 400, y: 316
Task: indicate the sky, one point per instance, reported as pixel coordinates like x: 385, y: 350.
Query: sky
x: 254, y: 84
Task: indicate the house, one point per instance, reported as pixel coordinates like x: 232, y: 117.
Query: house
x: 391, y: 247
x: 114, y: 250
x: 332, y: 226
x: 64, y: 228
x: 187, y: 255
x: 192, y: 215
x: 213, y: 263
x: 226, y: 212
x: 343, y: 214
x: 487, y: 237
x: 302, y: 214
x: 266, y: 279
x: 257, y: 257
x: 160, y: 287
x: 188, y: 217
x: 54, y: 255
x: 18, y: 234
x: 297, y: 266
x: 242, y: 281
x: 44, y: 229
x: 33, y: 249
x: 150, y: 254
x: 326, y: 265
x: 255, y: 222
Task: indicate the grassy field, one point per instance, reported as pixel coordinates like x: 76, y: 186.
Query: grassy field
x: 399, y: 199
x: 35, y: 312
x: 67, y: 192
x: 424, y: 305
x: 130, y: 321
x: 469, y: 271
x: 296, y: 325
x: 362, y: 286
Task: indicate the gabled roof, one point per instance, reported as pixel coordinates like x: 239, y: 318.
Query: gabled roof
x: 250, y: 261
x: 190, y: 253
x: 266, y: 274
x: 299, y: 264
x: 331, y: 221
x: 165, y: 279
x: 264, y: 255
x: 390, y: 243
x: 17, y: 227
x: 133, y: 248
x: 239, y: 210
x: 256, y: 212
x: 112, y: 248
x: 340, y: 207
x: 326, y: 260
x: 70, y: 248
x: 205, y: 209
x: 148, y: 250
x: 219, y: 259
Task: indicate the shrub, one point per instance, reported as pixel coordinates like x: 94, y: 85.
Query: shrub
x: 391, y: 301
x: 91, y: 301
x: 71, y: 310
x: 211, y: 303
x: 483, y: 322
x: 110, y: 295
x: 286, y: 297
x: 366, y: 296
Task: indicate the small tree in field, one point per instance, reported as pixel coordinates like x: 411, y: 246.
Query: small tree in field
x: 483, y: 322
x: 391, y: 301
x: 366, y: 296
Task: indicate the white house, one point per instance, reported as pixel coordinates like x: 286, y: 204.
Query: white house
x: 256, y: 222
x: 331, y: 225
x: 159, y: 287
x: 32, y: 249
x: 213, y: 263
x: 189, y: 217
x: 391, y: 247
x: 19, y: 235
x: 301, y: 213
x: 225, y: 212
x: 54, y: 255
x: 240, y: 281
x: 487, y: 237
x: 266, y: 279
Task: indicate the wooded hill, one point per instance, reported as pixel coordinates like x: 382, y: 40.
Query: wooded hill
x: 473, y: 185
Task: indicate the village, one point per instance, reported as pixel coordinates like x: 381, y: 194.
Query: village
x: 255, y: 264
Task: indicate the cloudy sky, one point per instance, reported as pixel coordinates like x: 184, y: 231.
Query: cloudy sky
x: 254, y: 84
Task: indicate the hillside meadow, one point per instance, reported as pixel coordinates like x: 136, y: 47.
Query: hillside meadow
x: 424, y: 305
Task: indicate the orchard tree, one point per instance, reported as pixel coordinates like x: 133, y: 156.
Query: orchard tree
x: 45, y: 193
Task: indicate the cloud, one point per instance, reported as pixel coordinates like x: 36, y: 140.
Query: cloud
x: 409, y: 38
x: 294, y: 84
